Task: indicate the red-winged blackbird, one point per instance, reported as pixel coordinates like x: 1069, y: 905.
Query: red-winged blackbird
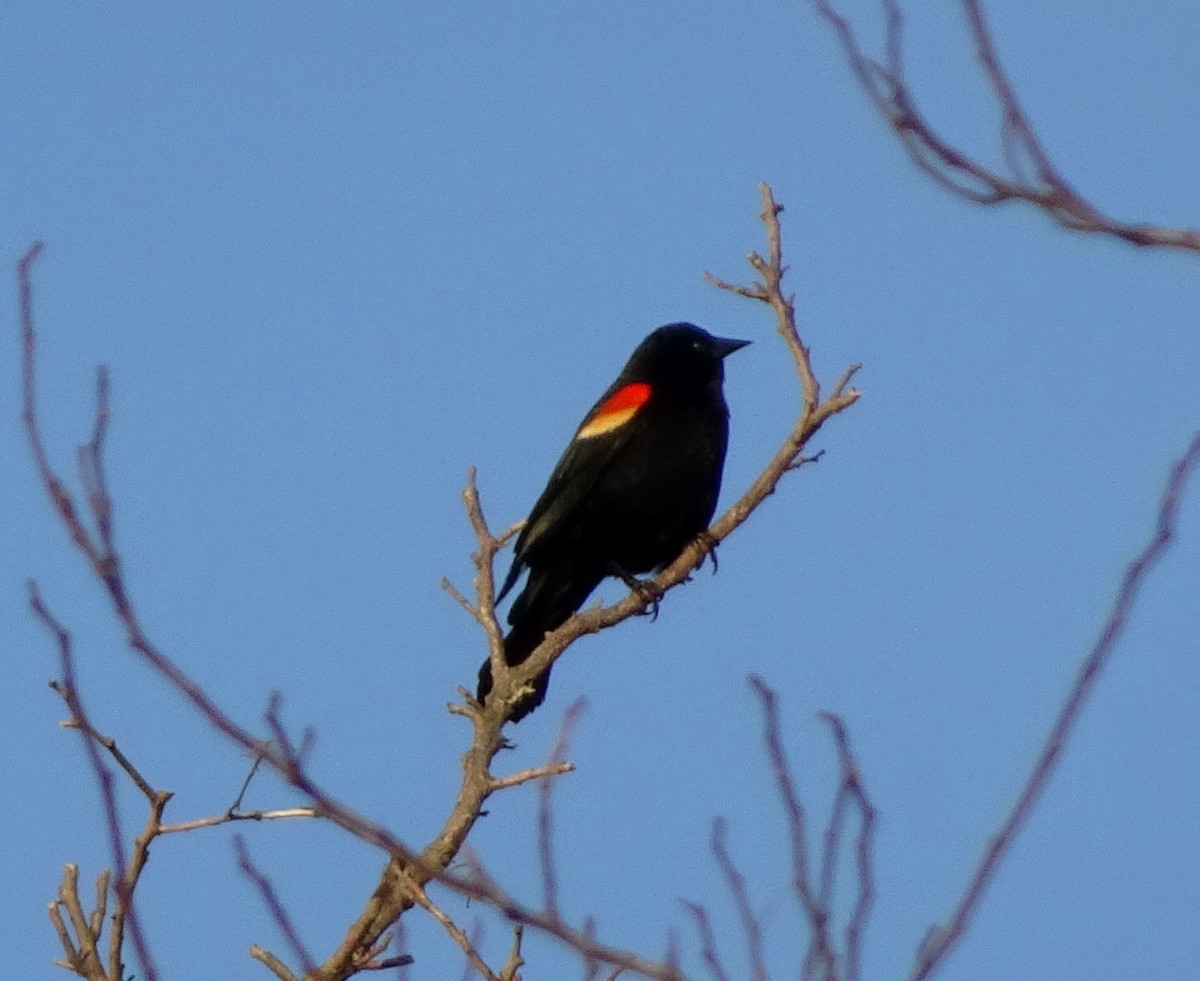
x: 637, y: 483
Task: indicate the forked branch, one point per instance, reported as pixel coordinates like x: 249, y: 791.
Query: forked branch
x: 1030, y: 176
x: 409, y: 871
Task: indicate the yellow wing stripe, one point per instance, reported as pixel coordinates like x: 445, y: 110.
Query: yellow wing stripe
x: 616, y: 410
x: 606, y: 422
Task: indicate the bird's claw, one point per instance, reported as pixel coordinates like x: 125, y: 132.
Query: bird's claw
x: 708, y: 550
x: 647, y: 592
x: 649, y: 596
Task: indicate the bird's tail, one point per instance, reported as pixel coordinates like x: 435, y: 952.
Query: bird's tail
x: 518, y: 645
x: 549, y: 598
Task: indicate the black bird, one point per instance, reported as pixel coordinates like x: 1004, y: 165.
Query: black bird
x: 637, y: 483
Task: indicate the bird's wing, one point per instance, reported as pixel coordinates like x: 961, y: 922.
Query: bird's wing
x: 600, y: 439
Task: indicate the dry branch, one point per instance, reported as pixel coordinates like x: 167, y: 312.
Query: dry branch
x: 408, y: 871
x: 545, y: 825
x: 850, y: 791
x: 128, y: 870
x: 80, y: 952
x: 958, y: 171
x: 708, y: 941
x: 942, y: 940
x: 822, y: 959
x: 736, y: 883
x: 469, y: 945
x: 276, y: 908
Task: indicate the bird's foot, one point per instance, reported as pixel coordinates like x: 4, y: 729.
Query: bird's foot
x: 647, y: 592
x: 708, y: 550
x: 649, y: 595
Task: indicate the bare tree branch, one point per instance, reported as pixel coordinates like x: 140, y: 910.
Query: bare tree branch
x: 850, y: 789
x: 479, y: 885
x: 272, y: 963
x: 273, y: 903
x: 65, y: 693
x: 591, y: 967
x: 99, y: 550
x: 955, y: 169
x: 408, y: 870
x: 128, y: 871
x: 468, y: 944
x: 942, y: 940
x: 708, y: 941
x: 81, y: 952
x: 545, y: 824
x: 533, y: 773
x: 820, y: 959
x: 741, y: 899
x: 476, y: 938
x: 230, y: 817
x: 515, y: 960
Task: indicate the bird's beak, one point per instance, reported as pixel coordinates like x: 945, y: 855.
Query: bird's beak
x: 725, y: 346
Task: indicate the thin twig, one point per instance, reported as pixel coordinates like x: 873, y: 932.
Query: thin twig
x: 941, y: 941
x: 478, y: 884
x: 485, y: 586
x: 477, y: 935
x: 515, y: 960
x: 109, y: 744
x: 850, y: 788
x: 273, y: 903
x: 231, y: 817
x: 81, y: 953
x: 820, y: 956
x: 591, y: 966
x: 254, y: 767
x: 467, y: 944
x: 453, y: 592
x: 741, y: 899
x: 708, y: 941
x: 831, y: 847
x: 125, y: 915
x: 556, y: 757
x: 272, y: 963
x: 533, y: 773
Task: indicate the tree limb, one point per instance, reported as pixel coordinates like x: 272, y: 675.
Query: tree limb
x: 942, y: 940
x: 409, y: 870
x: 957, y: 170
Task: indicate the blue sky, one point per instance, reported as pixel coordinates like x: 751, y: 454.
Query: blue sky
x: 334, y: 255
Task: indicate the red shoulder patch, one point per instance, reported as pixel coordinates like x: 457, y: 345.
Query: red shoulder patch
x: 632, y: 396
x: 616, y: 410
